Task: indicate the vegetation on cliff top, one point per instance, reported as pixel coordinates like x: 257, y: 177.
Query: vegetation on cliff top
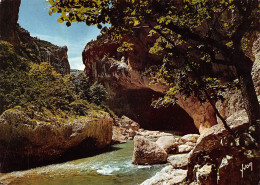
x: 191, y: 35
x: 42, y: 92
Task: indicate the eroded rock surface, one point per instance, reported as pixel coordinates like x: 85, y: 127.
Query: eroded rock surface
x: 23, y: 139
x: 9, y: 10
x: 147, y: 152
x: 26, y: 46
x: 168, y: 143
x: 179, y: 160
x: 190, y: 138
x: 218, y: 158
x: 168, y: 175
x: 122, y: 72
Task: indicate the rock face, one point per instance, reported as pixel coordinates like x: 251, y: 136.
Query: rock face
x: 127, y: 123
x: 9, y: 10
x: 147, y: 152
x: 179, y: 160
x: 167, y: 175
x: 233, y: 103
x: 24, y: 141
x: 43, y: 51
x: 31, y: 48
x: 136, y: 104
x: 219, y: 159
x: 59, y: 60
x: 124, y: 72
x: 168, y: 143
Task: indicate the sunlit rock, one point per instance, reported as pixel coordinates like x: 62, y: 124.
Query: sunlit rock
x: 147, y: 152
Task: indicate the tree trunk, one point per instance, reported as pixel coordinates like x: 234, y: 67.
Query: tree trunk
x: 244, y: 68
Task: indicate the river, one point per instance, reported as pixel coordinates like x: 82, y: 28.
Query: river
x: 108, y: 168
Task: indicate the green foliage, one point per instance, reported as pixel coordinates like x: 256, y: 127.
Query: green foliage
x: 13, y: 75
x: 43, y: 93
x: 82, y: 85
x: 49, y: 89
x: 97, y: 93
x: 93, y: 12
x: 80, y: 107
x: 125, y: 47
x: 191, y: 36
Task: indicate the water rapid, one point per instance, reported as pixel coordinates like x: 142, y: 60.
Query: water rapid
x: 109, y: 168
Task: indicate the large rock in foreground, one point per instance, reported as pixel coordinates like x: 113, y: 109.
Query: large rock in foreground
x: 220, y: 159
x: 24, y: 140
x: 179, y: 160
x: 168, y: 143
x: 147, y: 152
x: 167, y: 175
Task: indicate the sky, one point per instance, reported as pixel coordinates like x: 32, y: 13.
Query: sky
x: 34, y: 17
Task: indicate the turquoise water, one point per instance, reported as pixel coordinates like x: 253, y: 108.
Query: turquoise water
x: 109, y: 168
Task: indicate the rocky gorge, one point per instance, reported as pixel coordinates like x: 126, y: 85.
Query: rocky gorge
x: 198, y: 149
x: 29, y: 47
x: 41, y: 136
x: 215, y: 156
x: 124, y: 75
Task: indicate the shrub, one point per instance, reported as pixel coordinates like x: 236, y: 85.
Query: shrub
x: 97, y: 93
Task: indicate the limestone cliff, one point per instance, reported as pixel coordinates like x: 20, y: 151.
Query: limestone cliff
x: 26, y: 142
x: 31, y: 48
x: 233, y: 104
x: 9, y: 10
x: 125, y: 72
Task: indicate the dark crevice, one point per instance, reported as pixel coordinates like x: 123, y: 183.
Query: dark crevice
x: 136, y: 104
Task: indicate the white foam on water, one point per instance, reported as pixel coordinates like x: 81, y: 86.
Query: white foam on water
x: 107, y: 170
x: 147, y: 166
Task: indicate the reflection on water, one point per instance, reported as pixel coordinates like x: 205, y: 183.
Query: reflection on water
x: 105, y: 169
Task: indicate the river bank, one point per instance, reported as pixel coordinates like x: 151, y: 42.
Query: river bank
x: 110, y: 168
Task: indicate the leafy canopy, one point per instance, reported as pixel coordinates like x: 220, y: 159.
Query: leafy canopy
x: 191, y: 36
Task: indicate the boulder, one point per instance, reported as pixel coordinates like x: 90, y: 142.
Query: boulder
x: 127, y: 123
x: 184, y: 148
x: 131, y: 133
x: 219, y: 158
x: 190, y: 144
x: 147, y: 152
x: 168, y: 143
x: 215, y: 137
x: 179, y: 160
x: 205, y: 175
x: 190, y: 138
x: 168, y: 175
x: 117, y: 136
x: 25, y: 142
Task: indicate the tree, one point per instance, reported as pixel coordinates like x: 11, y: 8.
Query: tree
x: 190, y: 34
x: 97, y: 93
